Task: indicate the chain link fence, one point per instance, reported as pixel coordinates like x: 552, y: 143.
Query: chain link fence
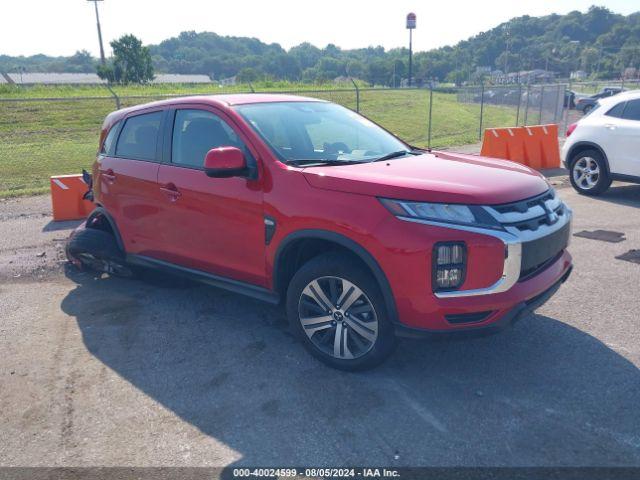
x: 40, y: 137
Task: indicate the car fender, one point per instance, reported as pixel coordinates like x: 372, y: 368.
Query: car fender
x: 100, y: 210
x: 583, y: 144
x: 350, y: 245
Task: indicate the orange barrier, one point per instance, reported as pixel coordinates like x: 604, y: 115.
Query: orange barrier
x: 536, y: 146
x: 66, y: 198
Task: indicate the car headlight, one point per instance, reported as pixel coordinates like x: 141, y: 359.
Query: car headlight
x: 472, y: 215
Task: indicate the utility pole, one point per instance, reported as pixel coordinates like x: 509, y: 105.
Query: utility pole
x: 411, y: 24
x: 506, y: 53
x: 598, y: 64
x: 95, y: 4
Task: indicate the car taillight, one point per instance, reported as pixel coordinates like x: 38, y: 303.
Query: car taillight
x: 571, y: 128
x: 449, y: 265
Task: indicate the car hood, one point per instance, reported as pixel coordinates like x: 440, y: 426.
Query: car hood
x: 442, y: 177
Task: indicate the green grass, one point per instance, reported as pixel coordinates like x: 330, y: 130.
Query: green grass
x: 41, y: 138
x: 67, y: 91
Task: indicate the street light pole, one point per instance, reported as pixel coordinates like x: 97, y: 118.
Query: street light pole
x: 410, y: 55
x: 411, y: 24
x: 95, y: 4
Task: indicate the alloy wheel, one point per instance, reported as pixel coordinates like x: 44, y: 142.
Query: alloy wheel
x: 338, y: 317
x: 586, y: 173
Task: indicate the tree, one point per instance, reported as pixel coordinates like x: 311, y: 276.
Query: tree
x: 131, y: 62
x: 247, y: 75
x: 379, y: 72
x: 356, y: 69
x: 81, y: 62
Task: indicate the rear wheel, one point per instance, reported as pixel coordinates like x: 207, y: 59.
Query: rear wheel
x: 589, y: 174
x: 98, y: 251
x: 336, y: 309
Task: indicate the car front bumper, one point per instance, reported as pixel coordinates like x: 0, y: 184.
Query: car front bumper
x: 505, y: 269
x: 498, y: 323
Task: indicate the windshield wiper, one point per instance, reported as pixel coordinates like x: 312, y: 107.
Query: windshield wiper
x: 307, y: 162
x: 399, y: 153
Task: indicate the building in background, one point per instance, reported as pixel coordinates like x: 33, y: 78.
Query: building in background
x: 21, y: 78
x: 579, y: 75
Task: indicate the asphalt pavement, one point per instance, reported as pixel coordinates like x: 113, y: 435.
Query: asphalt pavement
x: 112, y: 372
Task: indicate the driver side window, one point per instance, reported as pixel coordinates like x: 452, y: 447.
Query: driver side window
x: 195, y: 132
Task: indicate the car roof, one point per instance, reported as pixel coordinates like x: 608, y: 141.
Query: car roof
x: 221, y: 100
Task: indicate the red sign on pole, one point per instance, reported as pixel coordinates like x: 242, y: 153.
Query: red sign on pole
x: 411, y: 20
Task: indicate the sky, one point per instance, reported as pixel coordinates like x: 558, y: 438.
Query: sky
x: 62, y: 27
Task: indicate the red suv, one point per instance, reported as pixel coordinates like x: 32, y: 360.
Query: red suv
x: 361, y: 236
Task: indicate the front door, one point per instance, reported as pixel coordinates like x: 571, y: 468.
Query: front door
x: 210, y: 224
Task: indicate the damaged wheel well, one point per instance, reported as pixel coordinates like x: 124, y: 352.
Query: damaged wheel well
x: 101, y: 220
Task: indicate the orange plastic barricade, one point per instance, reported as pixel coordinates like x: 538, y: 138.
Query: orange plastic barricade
x: 536, y: 146
x: 503, y: 143
x: 66, y: 198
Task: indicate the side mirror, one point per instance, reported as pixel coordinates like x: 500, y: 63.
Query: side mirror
x: 226, y: 162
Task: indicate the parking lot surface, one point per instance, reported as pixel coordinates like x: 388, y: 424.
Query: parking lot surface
x: 112, y: 372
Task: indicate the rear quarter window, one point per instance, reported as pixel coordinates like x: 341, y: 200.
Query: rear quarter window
x: 109, y: 142
x: 616, y: 111
x: 139, y: 137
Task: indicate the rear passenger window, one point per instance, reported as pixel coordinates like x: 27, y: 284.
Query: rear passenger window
x: 632, y: 110
x: 108, y: 144
x: 195, y: 132
x: 139, y: 137
x: 617, y: 110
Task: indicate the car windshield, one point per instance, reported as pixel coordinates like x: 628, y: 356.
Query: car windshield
x: 319, y: 132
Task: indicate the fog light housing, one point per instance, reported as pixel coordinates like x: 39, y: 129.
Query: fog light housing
x: 449, y: 265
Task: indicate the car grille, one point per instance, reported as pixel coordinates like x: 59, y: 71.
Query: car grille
x: 536, y: 221
x: 539, y: 254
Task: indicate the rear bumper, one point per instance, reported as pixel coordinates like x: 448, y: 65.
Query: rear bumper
x: 517, y: 312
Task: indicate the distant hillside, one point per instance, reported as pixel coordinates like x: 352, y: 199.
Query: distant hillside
x: 599, y: 42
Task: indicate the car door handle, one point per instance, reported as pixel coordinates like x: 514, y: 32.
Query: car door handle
x: 171, y: 191
x: 610, y: 126
x: 109, y: 176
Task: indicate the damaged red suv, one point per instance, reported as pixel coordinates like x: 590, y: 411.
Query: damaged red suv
x: 298, y: 201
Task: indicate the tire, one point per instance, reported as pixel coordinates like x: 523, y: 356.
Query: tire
x: 588, y: 173
x: 359, y: 337
x: 98, y: 251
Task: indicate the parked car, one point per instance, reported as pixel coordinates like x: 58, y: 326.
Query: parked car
x: 603, y: 146
x: 569, y: 99
x: 586, y: 104
x: 298, y: 201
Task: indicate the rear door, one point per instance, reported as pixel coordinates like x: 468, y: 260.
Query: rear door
x: 623, y: 149
x: 210, y: 224
x: 127, y: 175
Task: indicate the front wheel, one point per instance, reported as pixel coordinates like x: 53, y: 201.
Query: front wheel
x: 98, y: 251
x: 589, y: 174
x: 336, y: 308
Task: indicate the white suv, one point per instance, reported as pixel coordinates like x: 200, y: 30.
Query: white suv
x: 605, y: 144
